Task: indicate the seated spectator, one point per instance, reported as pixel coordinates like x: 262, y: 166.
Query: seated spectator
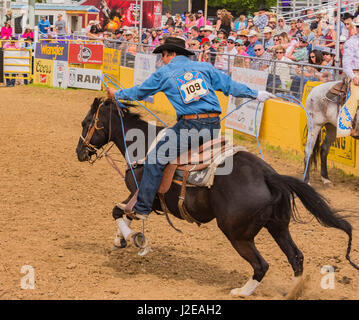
x: 307, y: 73
x: 200, y: 22
x: 28, y: 34
x: 243, y: 35
x: 194, y: 34
x: 257, y: 64
x: 330, y: 37
x: 170, y: 21
x: 279, y: 76
x: 262, y: 20
x: 179, y: 32
x: 189, y: 22
x: 178, y: 21
x: 282, y: 26
x: 10, y: 78
x: 250, y: 24
x: 299, y: 52
x: 293, y: 29
x: 328, y: 61
x: 220, y: 62
x: 205, y: 49
x: 6, y: 31
x: 268, y: 38
x: 208, y: 32
x: 272, y: 23
x: 240, y: 60
x: 241, y: 23
x: 222, y: 34
x: 233, y: 33
x: 253, y: 40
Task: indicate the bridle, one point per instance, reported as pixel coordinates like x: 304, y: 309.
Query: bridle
x: 99, y: 152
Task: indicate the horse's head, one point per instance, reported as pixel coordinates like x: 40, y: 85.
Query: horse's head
x: 96, y: 129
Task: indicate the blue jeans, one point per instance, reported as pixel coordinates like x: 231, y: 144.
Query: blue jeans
x: 175, y: 142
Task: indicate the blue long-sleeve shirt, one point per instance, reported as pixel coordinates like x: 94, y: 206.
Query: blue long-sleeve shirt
x: 189, y: 86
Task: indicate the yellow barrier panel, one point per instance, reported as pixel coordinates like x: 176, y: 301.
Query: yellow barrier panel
x: 282, y: 123
x: 111, y: 63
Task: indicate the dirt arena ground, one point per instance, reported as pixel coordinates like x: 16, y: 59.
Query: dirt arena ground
x: 56, y: 217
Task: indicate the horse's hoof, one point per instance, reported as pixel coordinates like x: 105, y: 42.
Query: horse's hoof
x: 139, y: 240
x: 246, y: 290
x: 326, y: 181
x: 119, y: 242
x: 298, y: 288
x: 144, y: 251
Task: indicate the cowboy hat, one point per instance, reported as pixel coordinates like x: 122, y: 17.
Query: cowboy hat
x: 175, y: 44
x: 267, y: 30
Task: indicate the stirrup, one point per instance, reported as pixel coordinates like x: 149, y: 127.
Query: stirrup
x: 136, y: 216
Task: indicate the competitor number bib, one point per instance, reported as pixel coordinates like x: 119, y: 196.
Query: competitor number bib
x: 191, y: 86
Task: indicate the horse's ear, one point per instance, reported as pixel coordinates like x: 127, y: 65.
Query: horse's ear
x: 96, y: 102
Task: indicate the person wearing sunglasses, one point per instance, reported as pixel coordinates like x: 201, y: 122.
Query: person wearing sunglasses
x: 307, y: 73
x: 279, y: 75
x: 282, y: 26
x: 191, y: 87
x: 351, y: 69
x: 239, y: 59
x: 257, y: 64
x: 299, y: 52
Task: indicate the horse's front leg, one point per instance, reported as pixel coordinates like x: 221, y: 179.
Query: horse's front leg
x: 123, y: 227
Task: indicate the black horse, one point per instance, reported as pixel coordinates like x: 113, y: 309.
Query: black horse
x: 251, y: 197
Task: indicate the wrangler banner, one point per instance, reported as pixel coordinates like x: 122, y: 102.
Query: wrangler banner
x: 86, y: 53
x: 43, y: 71
x: 52, y: 51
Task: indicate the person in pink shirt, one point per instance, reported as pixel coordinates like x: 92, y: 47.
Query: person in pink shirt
x: 200, y: 19
x: 28, y: 34
x: 6, y: 31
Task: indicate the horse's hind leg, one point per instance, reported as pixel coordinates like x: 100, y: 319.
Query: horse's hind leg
x: 280, y: 233
x: 248, y: 251
x: 308, y: 152
x: 329, y: 139
x: 241, y: 235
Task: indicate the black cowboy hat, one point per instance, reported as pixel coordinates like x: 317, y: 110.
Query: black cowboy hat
x: 175, y: 44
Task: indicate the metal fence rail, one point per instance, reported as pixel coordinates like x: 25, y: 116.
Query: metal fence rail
x: 283, y: 76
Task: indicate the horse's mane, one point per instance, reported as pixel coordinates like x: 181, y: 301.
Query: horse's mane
x: 125, y: 108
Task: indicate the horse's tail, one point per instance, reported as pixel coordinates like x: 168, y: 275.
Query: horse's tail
x: 284, y: 190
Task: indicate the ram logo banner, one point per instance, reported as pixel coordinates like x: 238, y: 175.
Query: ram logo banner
x: 85, y: 78
x: 43, y: 71
x: 86, y: 53
x: 52, y: 51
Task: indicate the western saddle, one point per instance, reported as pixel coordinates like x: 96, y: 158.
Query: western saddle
x: 187, y: 162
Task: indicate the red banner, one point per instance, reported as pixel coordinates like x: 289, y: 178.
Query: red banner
x: 86, y: 53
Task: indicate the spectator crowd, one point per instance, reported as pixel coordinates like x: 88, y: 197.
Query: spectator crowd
x: 264, y: 41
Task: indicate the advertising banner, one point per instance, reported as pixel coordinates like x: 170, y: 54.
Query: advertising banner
x: 86, y: 53
x: 43, y: 71
x: 60, y: 74
x: 243, y: 119
x: 52, y: 51
x: 84, y: 78
x: 111, y: 62
x: 145, y: 65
